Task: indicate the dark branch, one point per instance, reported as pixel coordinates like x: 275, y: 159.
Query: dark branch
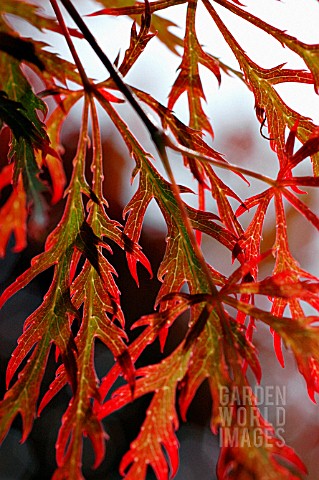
x: 154, y: 130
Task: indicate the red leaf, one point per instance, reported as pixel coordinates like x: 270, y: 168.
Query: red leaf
x: 110, y: 97
x: 161, y: 418
x: 189, y: 79
x: 57, y: 175
x: 23, y: 396
x: 13, y: 214
x: 160, y: 26
x: 309, y: 53
x: 234, y: 462
x: 269, y: 105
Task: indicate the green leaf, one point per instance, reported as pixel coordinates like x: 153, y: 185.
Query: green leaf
x: 12, y: 113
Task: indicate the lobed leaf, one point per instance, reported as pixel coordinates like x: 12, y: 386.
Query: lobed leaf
x: 13, y: 214
x: 268, y: 104
x: 160, y: 26
x: 51, y: 321
x: 189, y: 79
x: 267, y: 461
x: 309, y: 53
x: 161, y: 416
x: 83, y: 301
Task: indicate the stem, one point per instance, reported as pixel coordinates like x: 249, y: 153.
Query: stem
x: 85, y: 81
x: 97, y: 163
x: 188, y: 152
x: 116, y: 76
x: 139, y: 7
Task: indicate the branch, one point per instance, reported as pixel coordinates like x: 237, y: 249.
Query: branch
x: 155, y: 131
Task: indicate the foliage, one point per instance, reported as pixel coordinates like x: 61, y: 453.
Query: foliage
x: 224, y: 310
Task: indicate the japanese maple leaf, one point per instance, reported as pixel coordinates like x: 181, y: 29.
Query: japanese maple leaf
x: 309, y: 53
x: 189, y: 79
x: 160, y: 26
x: 15, y: 210
x: 269, y: 105
x: 161, y: 417
x: 180, y: 370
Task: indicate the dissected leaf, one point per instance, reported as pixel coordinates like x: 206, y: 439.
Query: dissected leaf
x: 268, y: 104
x: 138, y: 41
x: 52, y: 320
x: 160, y: 26
x: 161, y: 415
x: 220, y: 312
x: 20, y: 49
x: 13, y: 214
x: 261, y: 462
x: 309, y: 53
x: 189, y: 79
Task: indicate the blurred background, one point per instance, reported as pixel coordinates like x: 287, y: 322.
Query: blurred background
x: 236, y: 129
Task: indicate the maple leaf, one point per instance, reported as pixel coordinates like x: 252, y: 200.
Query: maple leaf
x: 309, y: 53
x: 189, y: 79
x: 160, y: 26
x: 82, y: 304
x: 285, y: 264
x: 19, y: 110
x: 262, y: 462
x: 108, y: 334
x: 161, y: 414
x: 250, y: 240
x: 137, y: 207
x: 176, y: 267
x: 13, y: 214
x: 174, y: 271
x: 20, y: 8
x: 47, y: 64
x: 154, y: 323
x: 285, y: 287
x: 51, y: 318
x: 19, y: 106
x: 12, y: 113
x: 211, y: 350
x: 79, y: 419
x: 268, y: 103
x: 177, y: 370
x: 193, y: 140
x: 49, y: 323
x: 27, y: 11
x: 221, y: 192
x: 138, y: 41
x: 95, y: 290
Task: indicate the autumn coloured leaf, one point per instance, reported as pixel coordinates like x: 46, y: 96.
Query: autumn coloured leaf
x: 159, y: 26
x: 309, y: 53
x: 161, y: 414
x: 55, y: 314
x: 228, y: 269
x: 189, y: 79
x: 268, y: 104
x: 138, y: 41
x: 281, y: 460
x: 13, y: 214
x: 164, y: 393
